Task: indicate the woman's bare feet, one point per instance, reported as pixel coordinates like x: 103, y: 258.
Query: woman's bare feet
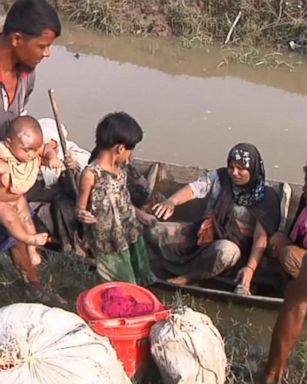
x: 34, y: 256
x: 179, y: 280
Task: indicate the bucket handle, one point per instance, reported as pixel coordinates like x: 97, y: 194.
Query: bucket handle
x: 110, y: 323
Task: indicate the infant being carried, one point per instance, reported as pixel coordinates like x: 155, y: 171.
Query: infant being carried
x: 21, y: 154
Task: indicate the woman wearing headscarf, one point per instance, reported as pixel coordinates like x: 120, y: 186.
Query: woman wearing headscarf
x: 241, y: 214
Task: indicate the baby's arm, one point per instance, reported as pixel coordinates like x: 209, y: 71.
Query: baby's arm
x: 86, y: 185
x: 49, y: 155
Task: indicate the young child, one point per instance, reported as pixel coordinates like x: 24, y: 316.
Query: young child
x: 115, y: 235
x: 21, y: 154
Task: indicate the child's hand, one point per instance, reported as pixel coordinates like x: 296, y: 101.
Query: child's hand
x: 85, y: 216
x: 146, y: 218
x: 54, y: 163
x: 70, y: 162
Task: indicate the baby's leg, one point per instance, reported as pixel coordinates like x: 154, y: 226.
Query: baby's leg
x: 11, y: 220
x: 28, y: 225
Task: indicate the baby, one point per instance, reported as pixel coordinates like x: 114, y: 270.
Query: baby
x: 21, y: 154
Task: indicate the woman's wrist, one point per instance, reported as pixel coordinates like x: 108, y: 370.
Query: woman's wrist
x: 171, y: 200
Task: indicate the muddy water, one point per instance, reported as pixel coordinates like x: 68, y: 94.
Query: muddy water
x: 191, y: 108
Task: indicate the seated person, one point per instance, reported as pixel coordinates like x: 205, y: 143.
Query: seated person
x: 111, y: 228
x: 21, y: 154
x: 290, y: 250
x: 241, y: 214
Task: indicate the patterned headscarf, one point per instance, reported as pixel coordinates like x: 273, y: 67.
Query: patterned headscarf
x: 249, y: 158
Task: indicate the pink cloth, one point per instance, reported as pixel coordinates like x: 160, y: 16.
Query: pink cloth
x: 115, y: 303
x: 300, y: 228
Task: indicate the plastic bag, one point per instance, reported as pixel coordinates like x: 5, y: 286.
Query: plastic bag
x: 42, y: 345
x: 187, y: 348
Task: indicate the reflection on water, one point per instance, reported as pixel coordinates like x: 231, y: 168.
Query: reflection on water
x: 191, y: 111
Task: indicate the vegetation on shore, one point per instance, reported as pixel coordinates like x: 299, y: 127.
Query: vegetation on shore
x: 253, y: 32
x: 247, y: 23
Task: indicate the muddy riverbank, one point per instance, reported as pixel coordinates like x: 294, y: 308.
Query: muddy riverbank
x: 249, y: 23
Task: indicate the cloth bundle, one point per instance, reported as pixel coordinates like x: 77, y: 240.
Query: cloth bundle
x: 42, y: 345
x: 187, y: 348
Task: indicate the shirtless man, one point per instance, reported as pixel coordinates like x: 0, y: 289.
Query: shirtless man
x: 21, y: 154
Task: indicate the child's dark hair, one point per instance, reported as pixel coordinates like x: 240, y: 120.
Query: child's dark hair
x: 114, y: 129
x: 31, y: 17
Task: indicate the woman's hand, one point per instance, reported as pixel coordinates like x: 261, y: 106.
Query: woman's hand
x: 85, y: 216
x: 244, y: 278
x: 164, y: 210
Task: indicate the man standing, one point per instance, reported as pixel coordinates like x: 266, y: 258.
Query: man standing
x: 30, y: 28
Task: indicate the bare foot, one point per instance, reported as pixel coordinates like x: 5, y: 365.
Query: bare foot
x: 38, y: 239
x: 35, y: 258
x: 179, y: 280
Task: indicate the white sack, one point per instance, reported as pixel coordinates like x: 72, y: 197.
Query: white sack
x: 187, y: 348
x: 53, y: 346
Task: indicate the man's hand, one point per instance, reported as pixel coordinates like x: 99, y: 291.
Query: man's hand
x: 70, y: 162
x: 54, y: 163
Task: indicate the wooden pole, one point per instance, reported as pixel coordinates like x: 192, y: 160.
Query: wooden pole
x: 69, y: 172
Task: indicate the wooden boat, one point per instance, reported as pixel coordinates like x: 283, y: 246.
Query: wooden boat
x: 68, y: 272
x: 169, y: 178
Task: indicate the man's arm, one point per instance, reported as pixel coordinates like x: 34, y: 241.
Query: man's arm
x: 49, y: 155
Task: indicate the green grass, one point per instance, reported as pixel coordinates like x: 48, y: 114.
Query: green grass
x: 262, y: 23
x: 246, y: 354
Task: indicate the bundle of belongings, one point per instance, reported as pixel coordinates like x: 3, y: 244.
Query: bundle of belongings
x: 187, y: 348
x: 42, y: 345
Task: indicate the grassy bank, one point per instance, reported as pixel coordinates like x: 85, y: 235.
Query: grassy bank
x: 247, y: 23
x: 246, y: 354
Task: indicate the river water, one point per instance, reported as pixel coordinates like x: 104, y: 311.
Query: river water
x: 191, y: 108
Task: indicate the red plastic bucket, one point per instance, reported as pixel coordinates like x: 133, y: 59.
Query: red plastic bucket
x: 128, y: 335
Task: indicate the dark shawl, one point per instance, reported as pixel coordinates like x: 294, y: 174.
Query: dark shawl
x: 260, y: 200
